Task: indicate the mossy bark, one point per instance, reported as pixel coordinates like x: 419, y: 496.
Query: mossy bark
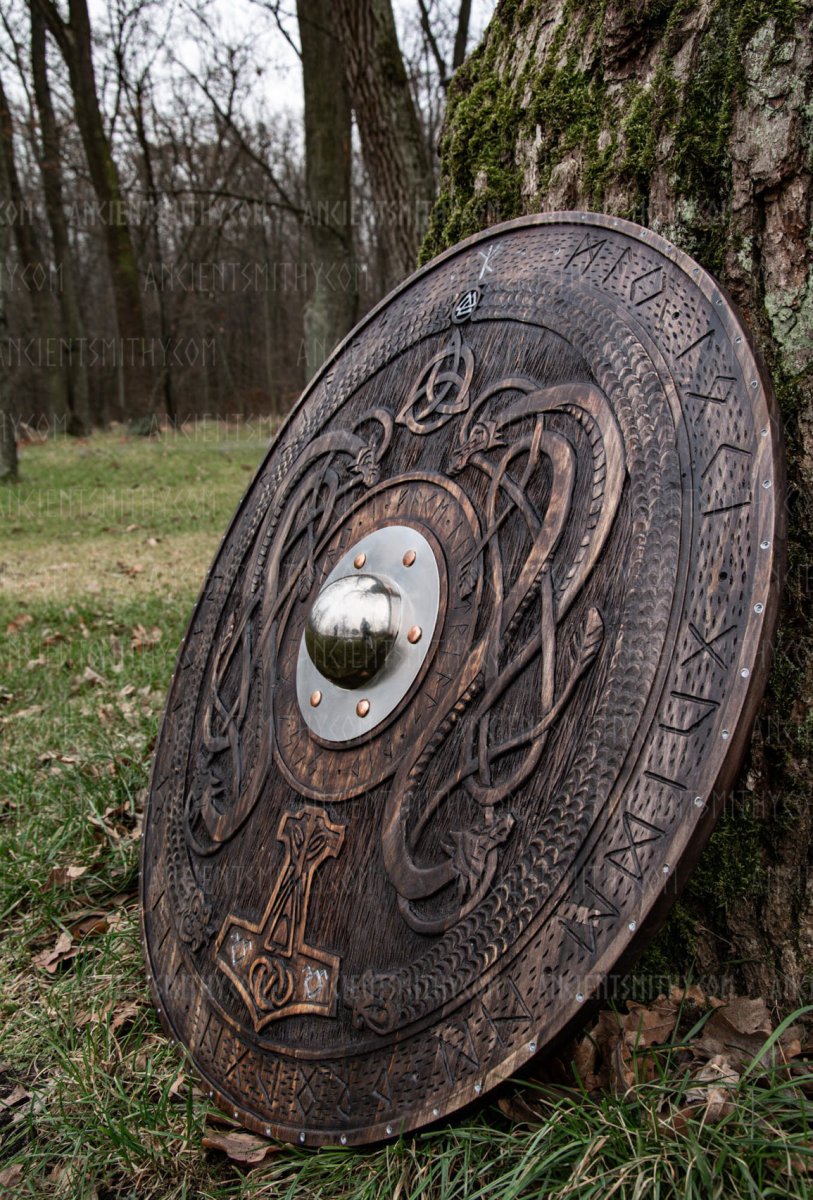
x: 695, y: 119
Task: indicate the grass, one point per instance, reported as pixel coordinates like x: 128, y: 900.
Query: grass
x: 105, y: 1107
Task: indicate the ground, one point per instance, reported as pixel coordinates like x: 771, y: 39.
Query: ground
x: 103, y: 547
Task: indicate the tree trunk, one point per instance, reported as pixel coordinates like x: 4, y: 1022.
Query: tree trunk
x: 8, y: 444
x: 330, y: 310
x: 155, y: 233
x: 75, y: 44
x: 34, y: 269
x: 693, y: 119
x: 392, y: 144
x: 75, y: 372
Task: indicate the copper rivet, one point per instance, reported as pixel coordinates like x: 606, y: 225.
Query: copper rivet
x: 409, y: 558
x: 414, y: 634
x: 362, y: 708
x: 316, y: 699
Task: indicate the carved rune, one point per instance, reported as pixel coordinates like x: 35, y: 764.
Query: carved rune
x: 274, y: 970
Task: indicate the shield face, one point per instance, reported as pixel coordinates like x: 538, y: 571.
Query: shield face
x: 478, y: 655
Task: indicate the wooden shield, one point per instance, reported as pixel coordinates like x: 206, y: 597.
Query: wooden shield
x: 471, y: 670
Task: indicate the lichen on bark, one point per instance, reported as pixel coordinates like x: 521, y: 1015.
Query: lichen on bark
x: 695, y: 119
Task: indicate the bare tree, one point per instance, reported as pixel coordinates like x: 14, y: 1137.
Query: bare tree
x: 446, y: 64
x: 50, y: 161
x: 392, y: 143
x: 139, y: 95
x: 331, y: 307
x: 33, y: 263
x: 73, y: 37
x: 8, y: 444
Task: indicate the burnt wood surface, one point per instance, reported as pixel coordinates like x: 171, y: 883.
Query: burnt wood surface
x: 355, y: 939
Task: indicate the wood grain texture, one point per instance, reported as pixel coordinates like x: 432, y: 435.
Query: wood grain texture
x: 356, y: 939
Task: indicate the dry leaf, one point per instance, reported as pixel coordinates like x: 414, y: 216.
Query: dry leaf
x: 59, y: 876
x: 716, y: 1098
x: 90, y: 925
x: 142, y: 639
x: 134, y: 569
x: 649, y: 1025
x: 16, y: 1096
x: 585, y: 1055
x: 19, y: 622
x: 115, y: 1018
x: 176, y: 1088
x: 748, y: 1016
x: 11, y: 1175
x: 240, y: 1147
x: 744, y: 1041
x: 62, y: 950
x: 125, y: 1014
x: 516, y: 1109
x: 22, y: 713
x: 692, y: 994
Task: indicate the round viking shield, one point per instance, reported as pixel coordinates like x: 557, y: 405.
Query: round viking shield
x: 472, y: 668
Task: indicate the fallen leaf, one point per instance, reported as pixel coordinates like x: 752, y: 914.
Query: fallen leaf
x: 176, y: 1088
x: 517, y: 1110
x: 240, y: 1147
x: 16, y: 1096
x: 11, y: 1175
x: 142, y: 639
x: 51, y: 636
x: 748, y: 1016
x: 114, y: 1017
x: 649, y: 1025
x: 62, y: 950
x: 715, y: 1099
x: 692, y: 994
x: 22, y: 713
x: 19, y: 622
x: 794, y: 1164
x: 131, y: 570
x: 59, y: 876
x: 90, y: 926
x: 745, y: 1041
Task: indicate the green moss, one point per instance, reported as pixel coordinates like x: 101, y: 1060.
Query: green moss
x: 568, y: 107
x: 570, y: 113
x: 483, y: 121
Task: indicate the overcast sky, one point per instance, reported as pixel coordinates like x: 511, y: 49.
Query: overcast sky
x: 280, y: 84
